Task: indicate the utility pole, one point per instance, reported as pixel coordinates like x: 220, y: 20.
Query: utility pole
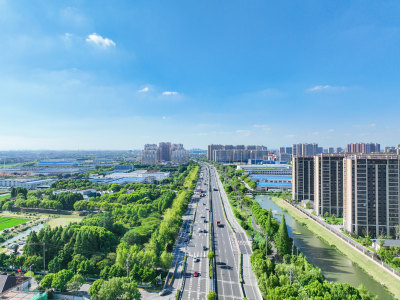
x: 44, y: 256
x: 127, y: 265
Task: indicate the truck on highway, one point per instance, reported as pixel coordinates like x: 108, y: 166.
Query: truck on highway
x: 219, y: 223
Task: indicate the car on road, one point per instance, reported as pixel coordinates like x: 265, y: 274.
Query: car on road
x: 205, y: 221
x: 196, y: 274
x: 200, y: 230
x: 204, y: 248
x: 164, y: 292
x: 202, y: 217
x: 196, y: 259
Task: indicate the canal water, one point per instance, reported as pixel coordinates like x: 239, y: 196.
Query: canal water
x: 334, y: 265
x: 23, y: 234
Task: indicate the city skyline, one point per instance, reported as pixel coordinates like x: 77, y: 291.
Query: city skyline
x: 116, y: 76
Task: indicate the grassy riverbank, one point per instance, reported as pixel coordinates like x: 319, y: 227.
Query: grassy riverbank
x: 379, y: 274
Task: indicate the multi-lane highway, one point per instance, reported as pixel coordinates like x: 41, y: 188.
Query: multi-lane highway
x: 226, y: 251
x: 196, y: 285
x: 228, y: 245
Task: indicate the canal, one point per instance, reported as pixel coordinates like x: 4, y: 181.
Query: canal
x: 334, y: 265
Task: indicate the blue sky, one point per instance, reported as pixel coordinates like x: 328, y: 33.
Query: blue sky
x: 119, y: 74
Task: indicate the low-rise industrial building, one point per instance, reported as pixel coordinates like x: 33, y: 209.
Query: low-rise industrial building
x: 28, y: 183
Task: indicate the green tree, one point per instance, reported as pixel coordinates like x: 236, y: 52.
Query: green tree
x: 211, y: 295
x: 7, y: 205
x: 47, y: 281
x: 268, y: 225
x: 61, y: 280
x: 13, y: 192
x: 76, y: 282
x: 166, y: 260
x: 283, y: 241
x: 94, y: 289
x: 119, y: 288
x: 210, y: 255
x: 115, y: 187
x: 32, y: 246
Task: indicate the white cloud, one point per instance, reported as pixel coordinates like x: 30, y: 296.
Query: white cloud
x: 244, y: 132
x: 169, y: 93
x: 331, y: 130
x: 319, y: 88
x: 144, y: 90
x: 100, y: 41
x: 263, y: 127
x: 372, y: 125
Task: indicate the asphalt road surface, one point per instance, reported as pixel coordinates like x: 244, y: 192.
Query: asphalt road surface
x: 226, y: 253
x: 197, y: 261
x: 250, y: 286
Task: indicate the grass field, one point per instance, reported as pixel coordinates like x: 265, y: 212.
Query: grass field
x: 64, y: 220
x: 7, y: 222
x: 377, y: 272
x: 53, y: 220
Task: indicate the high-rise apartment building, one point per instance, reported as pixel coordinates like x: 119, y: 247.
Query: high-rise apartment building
x: 149, y: 154
x: 371, y: 194
x: 305, y: 149
x: 235, y: 154
x: 390, y: 149
x: 287, y: 150
x: 211, y: 149
x: 303, y: 178
x: 285, y: 154
x: 178, y: 154
x: 164, y: 152
x: 363, y: 148
x: 328, y: 184
x: 338, y: 150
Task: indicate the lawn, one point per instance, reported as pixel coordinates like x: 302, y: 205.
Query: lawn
x: 378, y: 273
x: 53, y: 220
x: 64, y: 220
x: 7, y: 222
